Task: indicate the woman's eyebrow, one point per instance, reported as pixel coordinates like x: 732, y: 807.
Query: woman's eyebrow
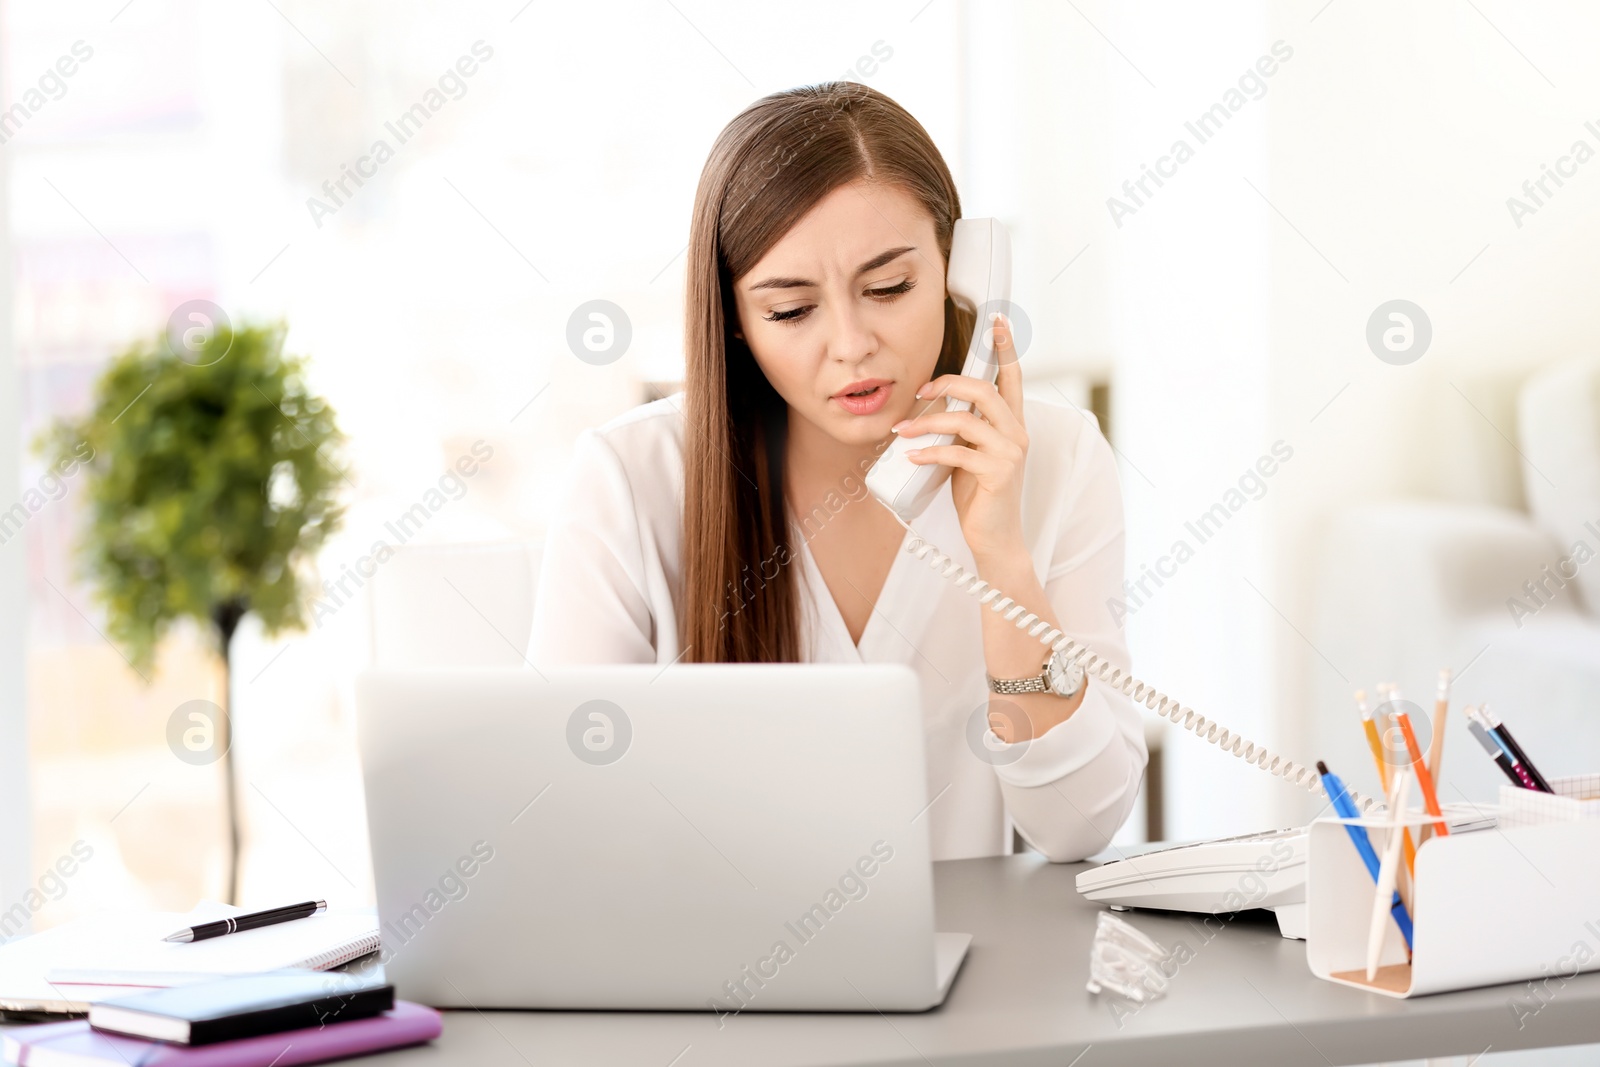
x: 799, y: 283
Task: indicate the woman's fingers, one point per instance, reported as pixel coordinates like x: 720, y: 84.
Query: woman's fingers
x: 989, y: 469
x: 985, y: 398
x: 1008, y: 378
x: 964, y: 424
x: 1001, y: 403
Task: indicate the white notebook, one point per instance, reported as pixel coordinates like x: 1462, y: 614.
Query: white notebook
x: 69, y: 967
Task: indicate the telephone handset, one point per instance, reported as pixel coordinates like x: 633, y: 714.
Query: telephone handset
x: 979, y: 279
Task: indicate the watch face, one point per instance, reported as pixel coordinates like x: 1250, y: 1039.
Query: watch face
x: 1063, y: 677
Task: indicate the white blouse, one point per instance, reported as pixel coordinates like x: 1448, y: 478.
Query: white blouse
x: 611, y: 578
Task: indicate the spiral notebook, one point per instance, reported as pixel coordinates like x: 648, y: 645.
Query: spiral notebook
x: 70, y: 967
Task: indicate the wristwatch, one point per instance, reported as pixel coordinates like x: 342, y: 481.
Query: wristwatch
x: 1059, y: 675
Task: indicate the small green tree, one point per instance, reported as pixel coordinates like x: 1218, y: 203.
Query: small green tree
x: 210, y: 488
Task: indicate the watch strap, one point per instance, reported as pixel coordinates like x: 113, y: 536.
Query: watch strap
x: 1010, y: 686
x: 1040, y: 683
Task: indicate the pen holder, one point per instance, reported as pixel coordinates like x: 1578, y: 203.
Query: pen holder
x: 1574, y: 798
x: 1492, y: 906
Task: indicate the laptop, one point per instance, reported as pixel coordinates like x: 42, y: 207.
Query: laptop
x: 707, y: 837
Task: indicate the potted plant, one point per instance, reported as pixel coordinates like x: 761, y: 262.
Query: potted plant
x: 211, y: 486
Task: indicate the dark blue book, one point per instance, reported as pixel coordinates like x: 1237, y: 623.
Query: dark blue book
x: 225, y: 1009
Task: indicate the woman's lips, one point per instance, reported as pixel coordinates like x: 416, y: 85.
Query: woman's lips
x: 868, y: 402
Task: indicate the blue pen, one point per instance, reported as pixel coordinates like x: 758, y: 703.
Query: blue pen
x: 1519, y: 759
x: 1358, y: 834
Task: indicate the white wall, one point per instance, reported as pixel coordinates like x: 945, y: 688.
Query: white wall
x: 1189, y: 290
x: 14, y: 809
x: 1034, y: 136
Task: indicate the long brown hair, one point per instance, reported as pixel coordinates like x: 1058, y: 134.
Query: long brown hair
x: 770, y: 166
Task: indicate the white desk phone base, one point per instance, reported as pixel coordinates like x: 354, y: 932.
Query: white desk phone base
x: 1265, y: 870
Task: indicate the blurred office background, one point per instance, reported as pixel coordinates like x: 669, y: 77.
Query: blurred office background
x: 1210, y: 317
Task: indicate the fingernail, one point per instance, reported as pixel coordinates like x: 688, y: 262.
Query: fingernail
x: 914, y: 453
x: 896, y: 427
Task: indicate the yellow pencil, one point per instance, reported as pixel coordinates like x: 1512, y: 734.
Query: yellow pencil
x: 1373, y: 741
x: 1387, y: 692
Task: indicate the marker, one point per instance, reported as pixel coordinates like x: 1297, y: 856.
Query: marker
x: 1358, y: 836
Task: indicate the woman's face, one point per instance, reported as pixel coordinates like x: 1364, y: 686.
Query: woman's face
x: 845, y: 314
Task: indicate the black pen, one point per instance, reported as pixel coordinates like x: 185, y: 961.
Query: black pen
x: 1499, y: 731
x: 249, y: 922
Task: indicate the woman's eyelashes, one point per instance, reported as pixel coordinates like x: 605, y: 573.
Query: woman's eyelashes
x: 884, y: 295
x: 890, y: 292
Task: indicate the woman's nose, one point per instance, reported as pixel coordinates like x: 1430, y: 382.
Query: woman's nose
x: 850, y: 334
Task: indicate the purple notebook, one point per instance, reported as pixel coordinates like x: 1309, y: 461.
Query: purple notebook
x: 74, y: 1043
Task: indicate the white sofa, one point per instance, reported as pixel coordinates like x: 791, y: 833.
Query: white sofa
x: 1407, y: 587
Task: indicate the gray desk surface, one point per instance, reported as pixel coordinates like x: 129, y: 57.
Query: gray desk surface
x: 1246, y: 996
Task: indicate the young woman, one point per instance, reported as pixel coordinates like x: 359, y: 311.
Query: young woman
x: 731, y: 523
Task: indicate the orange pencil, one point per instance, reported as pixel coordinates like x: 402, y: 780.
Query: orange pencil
x: 1375, y: 743
x: 1419, y: 765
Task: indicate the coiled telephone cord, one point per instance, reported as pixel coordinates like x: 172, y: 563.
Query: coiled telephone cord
x: 1096, y: 666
